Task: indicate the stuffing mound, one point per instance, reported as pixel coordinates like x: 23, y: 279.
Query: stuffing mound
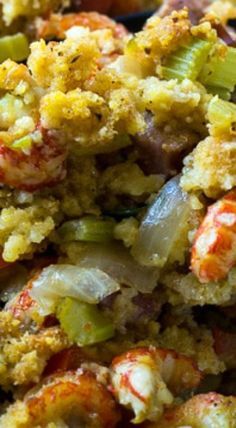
x: 117, y: 216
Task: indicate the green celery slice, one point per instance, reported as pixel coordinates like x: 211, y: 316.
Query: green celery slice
x: 221, y: 72
x: 222, y: 116
x: 83, y: 323
x: 89, y: 229
x: 14, y: 47
x: 223, y: 93
x: 188, y: 61
x: 24, y: 143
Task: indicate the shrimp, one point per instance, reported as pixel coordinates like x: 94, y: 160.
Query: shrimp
x: 201, y: 411
x: 23, y: 306
x: 30, y: 155
x: 57, y: 25
x: 145, y: 379
x: 214, y: 248
x: 43, y: 165
x: 75, y: 398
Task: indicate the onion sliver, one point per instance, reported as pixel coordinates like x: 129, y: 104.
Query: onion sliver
x: 162, y: 225
x: 58, y: 281
x: 117, y: 262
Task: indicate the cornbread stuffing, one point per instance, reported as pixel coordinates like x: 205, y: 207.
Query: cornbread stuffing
x: 117, y: 215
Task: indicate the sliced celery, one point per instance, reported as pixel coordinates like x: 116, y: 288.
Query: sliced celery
x: 221, y: 72
x: 91, y: 229
x: 187, y: 62
x: 222, y: 116
x: 15, y: 47
x: 223, y: 93
x: 83, y: 323
x: 23, y: 143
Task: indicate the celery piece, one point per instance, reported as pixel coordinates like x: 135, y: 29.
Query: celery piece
x: 15, y: 47
x: 222, y: 116
x: 187, y: 61
x: 223, y: 93
x: 221, y: 72
x: 91, y: 229
x: 83, y: 323
x: 23, y: 143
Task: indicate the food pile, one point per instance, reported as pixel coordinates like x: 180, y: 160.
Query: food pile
x: 117, y: 218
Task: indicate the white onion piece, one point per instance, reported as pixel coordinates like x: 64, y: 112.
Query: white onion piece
x: 116, y: 261
x: 57, y: 281
x: 162, y: 225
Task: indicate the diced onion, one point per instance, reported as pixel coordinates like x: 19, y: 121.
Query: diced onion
x: 58, y: 281
x: 161, y: 227
x: 117, y: 262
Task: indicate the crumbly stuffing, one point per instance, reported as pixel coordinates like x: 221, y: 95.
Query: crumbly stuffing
x: 23, y: 228
x: 16, y: 8
x: 70, y: 123
x: 23, y: 355
x: 211, y: 167
x: 198, y: 344
x: 128, y: 178
x: 187, y: 289
x: 126, y: 231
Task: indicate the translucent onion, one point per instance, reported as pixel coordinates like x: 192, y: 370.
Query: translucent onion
x: 162, y: 226
x: 116, y: 261
x: 58, y: 281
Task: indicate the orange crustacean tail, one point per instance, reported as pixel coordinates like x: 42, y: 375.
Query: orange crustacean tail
x: 44, y: 165
x: 22, y: 305
x: 214, y: 248
x: 76, y: 395
x: 146, y: 380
